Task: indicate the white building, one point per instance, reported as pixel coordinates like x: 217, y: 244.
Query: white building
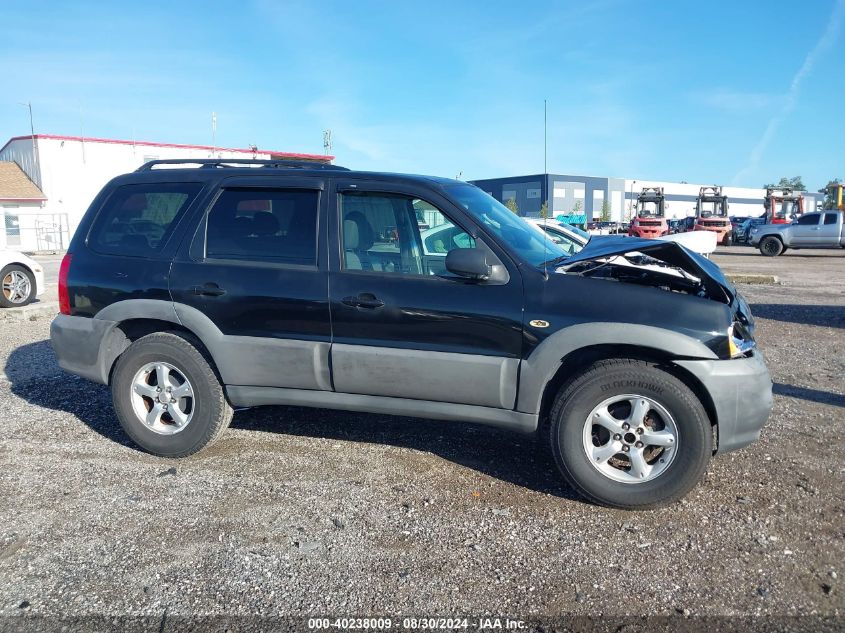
x: 66, y: 172
x: 588, y: 195
x: 681, y: 198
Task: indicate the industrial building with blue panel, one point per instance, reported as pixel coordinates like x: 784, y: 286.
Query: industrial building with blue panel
x: 562, y: 192
x: 565, y: 193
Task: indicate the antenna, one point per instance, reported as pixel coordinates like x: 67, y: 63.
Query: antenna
x: 327, y: 142
x: 545, y: 171
x: 213, y: 133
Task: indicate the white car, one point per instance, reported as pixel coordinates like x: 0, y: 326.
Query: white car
x: 573, y: 238
x: 22, y: 278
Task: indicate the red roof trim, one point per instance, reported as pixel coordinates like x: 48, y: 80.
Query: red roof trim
x: 87, y: 139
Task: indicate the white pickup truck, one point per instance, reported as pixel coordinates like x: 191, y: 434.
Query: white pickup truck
x: 822, y: 229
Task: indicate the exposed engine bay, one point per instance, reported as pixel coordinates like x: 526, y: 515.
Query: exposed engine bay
x: 642, y: 270
x: 665, y: 265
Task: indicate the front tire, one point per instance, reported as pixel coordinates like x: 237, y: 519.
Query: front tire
x: 629, y: 435
x: 18, y: 286
x: 168, y: 397
x: 771, y: 246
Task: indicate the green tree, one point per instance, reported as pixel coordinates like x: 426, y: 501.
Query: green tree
x: 544, y: 210
x: 795, y: 183
x: 576, y: 210
x: 605, y: 211
x: 829, y: 201
x: 511, y: 204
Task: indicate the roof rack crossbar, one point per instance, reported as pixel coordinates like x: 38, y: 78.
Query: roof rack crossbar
x: 215, y: 163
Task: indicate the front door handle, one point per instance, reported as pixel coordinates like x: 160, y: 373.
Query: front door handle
x: 363, y: 300
x: 208, y: 290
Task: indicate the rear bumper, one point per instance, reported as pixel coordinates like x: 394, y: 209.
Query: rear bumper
x: 86, y: 347
x: 741, y: 391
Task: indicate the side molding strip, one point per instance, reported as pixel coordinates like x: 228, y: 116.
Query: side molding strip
x: 241, y: 396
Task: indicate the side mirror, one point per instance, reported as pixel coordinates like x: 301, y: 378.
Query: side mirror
x: 468, y: 262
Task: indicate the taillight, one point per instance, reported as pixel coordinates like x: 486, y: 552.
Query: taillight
x: 64, y: 297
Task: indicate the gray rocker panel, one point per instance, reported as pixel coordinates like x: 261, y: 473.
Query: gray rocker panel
x: 488, y: 381
x: 258, y: 396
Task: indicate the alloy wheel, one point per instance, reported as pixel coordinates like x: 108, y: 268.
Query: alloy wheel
x: 630, y: 438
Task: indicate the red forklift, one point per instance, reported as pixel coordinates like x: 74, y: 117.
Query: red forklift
x: 711, y: 214
x: 650, y: 220
x: 782, y: 205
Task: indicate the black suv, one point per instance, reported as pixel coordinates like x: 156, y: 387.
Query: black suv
x: 193, y: 289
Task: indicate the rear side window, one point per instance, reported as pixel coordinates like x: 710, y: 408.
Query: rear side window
x: 830, y: 218
x: 137, y: 220
x: 273, y: 225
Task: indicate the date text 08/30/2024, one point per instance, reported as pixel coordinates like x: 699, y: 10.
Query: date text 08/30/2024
x: 418, y: 624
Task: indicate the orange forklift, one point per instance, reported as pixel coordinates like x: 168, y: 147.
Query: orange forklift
x: 711, y: 214
x: 650, y: 221
x: 782, y: 205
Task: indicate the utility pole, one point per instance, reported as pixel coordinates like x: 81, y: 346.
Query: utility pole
x: 631, y: 200
x: 545, y: 137
x: 546, y: 179
x: 37, y: 166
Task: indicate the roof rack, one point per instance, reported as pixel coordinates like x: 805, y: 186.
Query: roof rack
x: 214, y: 163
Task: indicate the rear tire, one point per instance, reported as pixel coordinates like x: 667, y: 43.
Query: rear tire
x: 661, y: 455
x: 167, y: 396
x: 18, y: 286
x: 771, y: 246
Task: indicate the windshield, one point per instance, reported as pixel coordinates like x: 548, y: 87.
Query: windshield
x: 579, y: 232
x: 497, y: 218
x: 787, y: 209
x: 648, y: 208
x: 571, y: 242
x: 711, y: 208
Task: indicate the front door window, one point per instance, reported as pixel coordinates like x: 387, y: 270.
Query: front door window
x: 398, y: 234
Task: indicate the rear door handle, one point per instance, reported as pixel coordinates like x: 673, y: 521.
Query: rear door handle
x: 208, y: 290
x: 363, y: 300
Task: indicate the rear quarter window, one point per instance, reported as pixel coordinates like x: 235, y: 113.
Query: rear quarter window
x: 137, y: 220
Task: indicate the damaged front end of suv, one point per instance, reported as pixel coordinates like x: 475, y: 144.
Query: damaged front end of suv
x: 701, y: 300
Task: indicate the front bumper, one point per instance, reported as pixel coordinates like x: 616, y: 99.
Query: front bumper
x: 39, y: 282
x: 741, y: 390
x: 714, y: 229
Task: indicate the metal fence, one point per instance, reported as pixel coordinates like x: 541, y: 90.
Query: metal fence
x: 35, y: 231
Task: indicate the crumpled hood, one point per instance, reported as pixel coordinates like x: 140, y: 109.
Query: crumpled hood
x: 671, y: 253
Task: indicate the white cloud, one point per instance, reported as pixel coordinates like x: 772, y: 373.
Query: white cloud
x: 826, y: 41
x: 735, y: 101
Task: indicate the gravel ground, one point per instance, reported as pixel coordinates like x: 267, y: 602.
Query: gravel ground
x: 311, y: 512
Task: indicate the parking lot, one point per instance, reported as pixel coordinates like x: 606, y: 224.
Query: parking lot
x: 314, y: 512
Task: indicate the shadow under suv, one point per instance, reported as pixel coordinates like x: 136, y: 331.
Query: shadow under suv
x: 192, y: 289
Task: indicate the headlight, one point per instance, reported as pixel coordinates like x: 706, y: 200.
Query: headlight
x: 740, y: 341
x: 754, y: 230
